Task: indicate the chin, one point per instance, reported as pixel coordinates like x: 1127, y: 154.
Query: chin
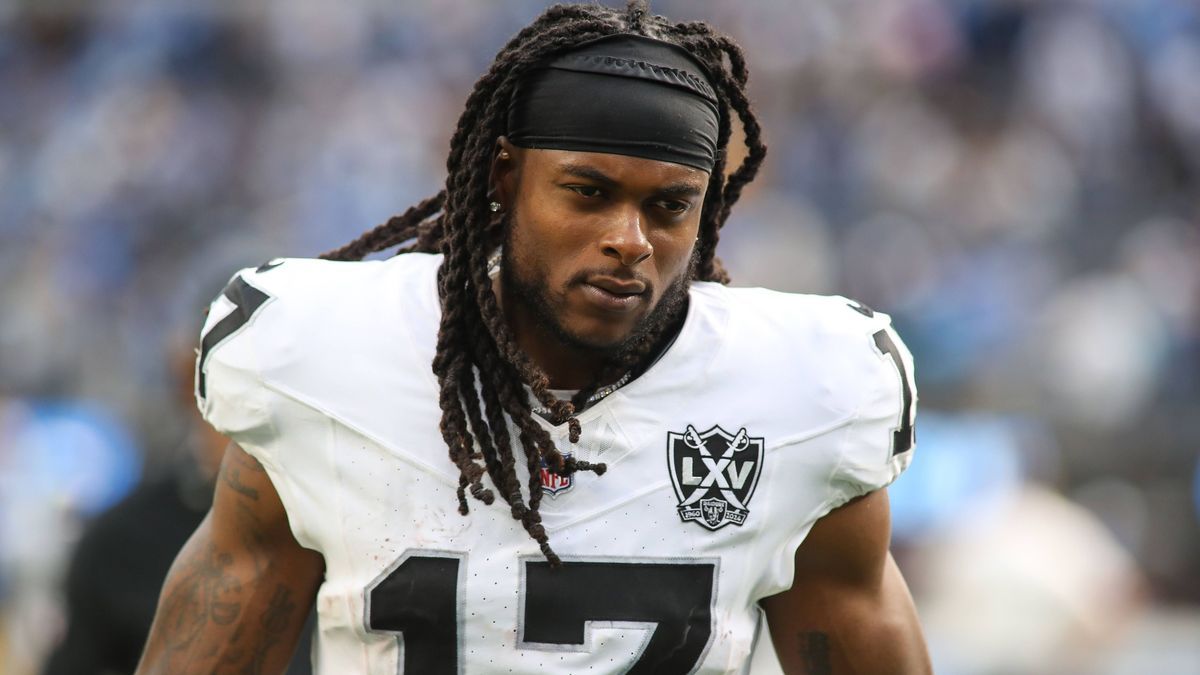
x: 601, y: 338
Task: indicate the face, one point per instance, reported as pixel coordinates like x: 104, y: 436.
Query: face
x: 599, y: 246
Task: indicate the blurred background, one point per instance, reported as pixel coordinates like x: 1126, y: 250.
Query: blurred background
x: 1016, y: 183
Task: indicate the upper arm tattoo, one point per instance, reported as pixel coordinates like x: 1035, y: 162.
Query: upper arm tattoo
x: 231, y: 473
x: 271, y: 628
x: 206, y: 592
x: 814, y: 651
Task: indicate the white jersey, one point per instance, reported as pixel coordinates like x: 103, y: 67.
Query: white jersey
x: 768, y: 411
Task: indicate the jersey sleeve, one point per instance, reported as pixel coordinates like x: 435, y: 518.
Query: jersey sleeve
x: 254, y: 339
x: 877, y: 445
x: 229, y: 389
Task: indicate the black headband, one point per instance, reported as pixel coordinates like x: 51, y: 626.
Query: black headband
x: 621, y: 94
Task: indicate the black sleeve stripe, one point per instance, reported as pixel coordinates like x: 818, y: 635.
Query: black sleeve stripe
x: 861, y: 308
x: 904, y: 436
x: 247, y: 301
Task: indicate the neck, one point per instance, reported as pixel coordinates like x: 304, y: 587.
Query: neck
x: 570, y: 363
x: 570, y: 366
x: 567, y: 366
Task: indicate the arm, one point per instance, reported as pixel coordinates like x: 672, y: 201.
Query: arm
x: 237, y: 595
x: 849, y: 611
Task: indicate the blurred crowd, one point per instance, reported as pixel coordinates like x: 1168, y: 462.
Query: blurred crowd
x: 1016, y: 183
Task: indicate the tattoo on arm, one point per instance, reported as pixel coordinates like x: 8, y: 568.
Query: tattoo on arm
x: 272, y: 625
x: 274, y: 622
x: 252, y: 538
x: 231, y: 475
x: 814, y: 649
x: 206, y: 592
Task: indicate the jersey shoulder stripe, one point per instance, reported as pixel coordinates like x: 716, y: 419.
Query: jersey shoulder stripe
x: 298, y: 320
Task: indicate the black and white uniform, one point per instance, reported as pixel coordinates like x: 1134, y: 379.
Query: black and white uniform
x: 768, y: 411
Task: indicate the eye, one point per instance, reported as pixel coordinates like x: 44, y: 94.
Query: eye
x: 674, y: 206
x: 586, y: 191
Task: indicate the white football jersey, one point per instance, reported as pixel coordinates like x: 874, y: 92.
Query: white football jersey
x: 768, y: 411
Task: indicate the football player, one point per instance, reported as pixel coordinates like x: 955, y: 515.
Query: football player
x: 654, y: 466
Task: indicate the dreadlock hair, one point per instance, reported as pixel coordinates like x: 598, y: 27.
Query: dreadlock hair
x: 474, y: 341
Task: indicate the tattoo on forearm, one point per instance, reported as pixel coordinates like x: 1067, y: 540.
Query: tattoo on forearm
x: 814, y: 650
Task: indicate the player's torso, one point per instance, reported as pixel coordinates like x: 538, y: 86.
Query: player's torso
x: 713, y: 476
x: 639, y: 590
x: 660, y: 555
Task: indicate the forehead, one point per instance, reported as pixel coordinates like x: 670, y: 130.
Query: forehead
x: 603, y: 167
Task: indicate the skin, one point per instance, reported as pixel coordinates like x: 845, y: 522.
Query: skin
x: 239, y: 592
x: 585, y: 216
x: 849, y: 611
x: 237, y: 596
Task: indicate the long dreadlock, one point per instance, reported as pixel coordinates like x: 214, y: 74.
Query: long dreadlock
x: 473, y: 340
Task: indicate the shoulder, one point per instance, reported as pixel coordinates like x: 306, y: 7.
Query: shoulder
x: 824, y: 367
x: 280, y: 299
x: 796, y: 315
x: 305, y: 286
x: 826, y: 345
x: 295, y: 313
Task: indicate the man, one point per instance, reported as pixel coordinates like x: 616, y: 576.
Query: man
x: 677, y: 458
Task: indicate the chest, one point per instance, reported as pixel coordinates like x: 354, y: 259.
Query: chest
x: 664, y: 556
x: 639, y: 589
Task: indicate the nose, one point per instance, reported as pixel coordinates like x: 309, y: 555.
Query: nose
x: 626, y: 239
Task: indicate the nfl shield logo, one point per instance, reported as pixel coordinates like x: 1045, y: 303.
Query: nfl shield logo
x: 552, y: 483
x: 714, y: 474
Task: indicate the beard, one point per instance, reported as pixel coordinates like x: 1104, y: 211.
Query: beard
x: 533, y: 293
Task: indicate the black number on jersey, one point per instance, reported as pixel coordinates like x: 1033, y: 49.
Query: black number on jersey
x: 674, y: 599
x: 247, y: 300
x: 420, y: 598
x: 904, y: 436
x: 861, y: 308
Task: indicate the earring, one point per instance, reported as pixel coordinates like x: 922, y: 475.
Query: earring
x: 493, y: 263
x: 503, y: 154
x: 494, y: 207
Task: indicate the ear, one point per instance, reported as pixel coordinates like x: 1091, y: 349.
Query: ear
x: 502, y: 181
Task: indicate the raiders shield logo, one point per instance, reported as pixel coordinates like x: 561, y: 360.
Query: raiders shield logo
x: 714, y: 474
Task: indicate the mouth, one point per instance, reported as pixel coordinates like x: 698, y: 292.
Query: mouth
x: 615, y: 295
x: 617, y: 286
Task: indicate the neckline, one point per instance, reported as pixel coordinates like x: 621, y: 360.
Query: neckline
x: 600, y: 394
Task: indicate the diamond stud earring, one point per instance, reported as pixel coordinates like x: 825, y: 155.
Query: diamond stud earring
x: 494, y: 207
